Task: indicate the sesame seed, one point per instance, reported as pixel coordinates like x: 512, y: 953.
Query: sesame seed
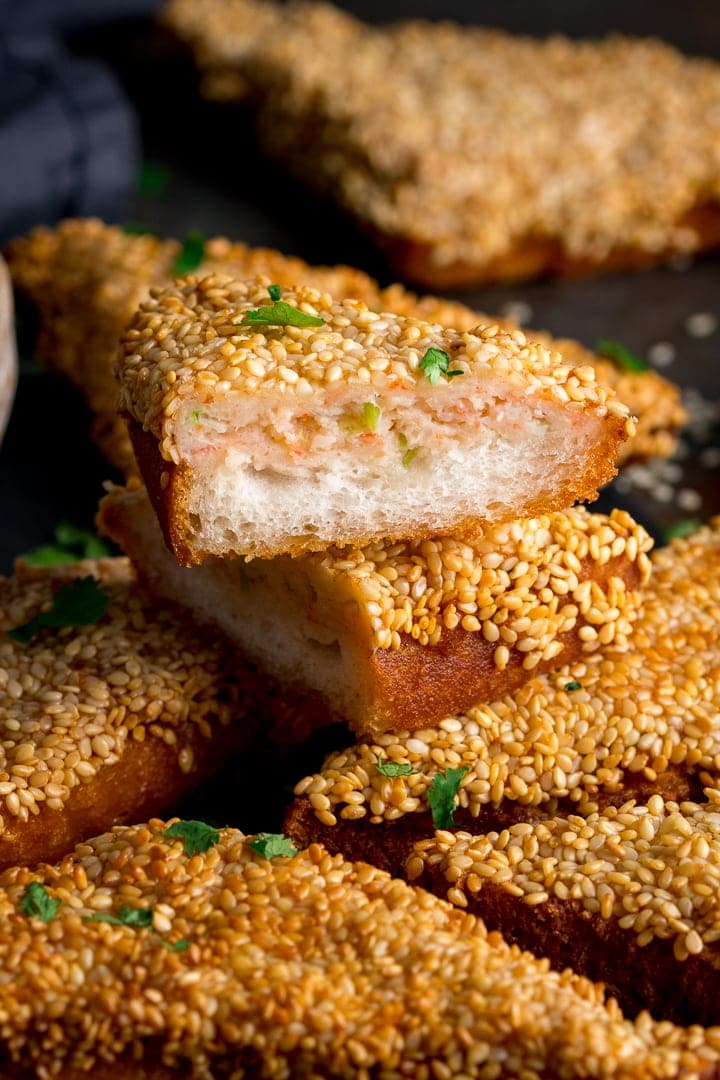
x: 647, y: 701
x: 701, y: 324
x: 307, y: 958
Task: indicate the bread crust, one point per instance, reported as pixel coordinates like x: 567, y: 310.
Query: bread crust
x: 144, y: 782
x: 389, y: 844
x: 535, y: 256
x: 416, y: 685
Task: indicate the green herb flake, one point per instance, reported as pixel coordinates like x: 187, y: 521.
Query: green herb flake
x: 37, y: 904
x: 408, y: 452
x: 190, y: 255
x: 195, y: 417
x: 175, y: 946
x: 271, y: 845
x: 153, y: 178
x: 393, y: 768
x: 275, y: 292
x: 573, y: 685
x: 442, y: 794
x: 622, y: 356
x: 370, y: 416
x: 435, y: 363
x: 280, y: 314
x: 197, y: 835
x: 71, y: 544
x: 78, y: 603
x: 139, y: 918
x: 681, y: 529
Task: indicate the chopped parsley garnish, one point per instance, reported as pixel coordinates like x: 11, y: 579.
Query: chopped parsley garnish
x: 195, y: 417
x: 280, y: 314
x: 175, y: 946
x: 573, y: 685
x: 366, y: 420
x: 393, y: 768
x: 681, y: 529
x: 197, y: 835
x: 435, y: 363
x: 152, y: 178
x: 622, y: 356
x: 37, y: 904
x: 275, y: 292
x: 77, y: 603
x: 370, y: 415
x: 126, y: 916
x: 408, y: 452
x: 442, y: 794
x: 190, y: 255
x: 71, y: 544
x: 271, y: 845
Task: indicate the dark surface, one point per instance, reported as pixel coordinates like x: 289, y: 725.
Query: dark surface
x: 217, y: 183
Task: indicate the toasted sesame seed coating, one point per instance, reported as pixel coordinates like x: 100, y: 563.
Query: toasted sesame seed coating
x: 645, y: 707
x: 189, y: 339
x: 74, y: 700
x: 520, y: 584
x: 545, y: 141
x: 300, y: 966
x: 654, y: 869
x: 88, y: 278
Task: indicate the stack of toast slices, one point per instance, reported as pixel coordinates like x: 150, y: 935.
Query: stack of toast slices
x: 343, y: 511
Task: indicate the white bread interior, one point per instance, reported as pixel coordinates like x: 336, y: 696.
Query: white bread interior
x: 261, y: 606
x: 260, y: 483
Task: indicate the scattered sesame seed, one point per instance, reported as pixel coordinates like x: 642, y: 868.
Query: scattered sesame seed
x: 701, y: 324
x: 689, y: 499
x: 662, y: 354
x: 518, y: 311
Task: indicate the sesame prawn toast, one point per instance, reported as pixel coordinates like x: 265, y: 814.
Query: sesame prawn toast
x: 87, y: 279
x: 212, y: 954
x: 539, y: 160
x: 628, y: 896
x: 267, y: 426
x: 621, y: 723
x: 395, y: 636
x: 109, y: 719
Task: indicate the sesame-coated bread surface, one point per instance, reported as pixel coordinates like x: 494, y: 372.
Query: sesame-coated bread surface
x: 637, y: 881
x: 88, y: 278
x: 399, y: 635
x: 224, y: 962
x: 103, y: 722
x: 284, y: 427
x: 540, y: 157
x: 645, y: 709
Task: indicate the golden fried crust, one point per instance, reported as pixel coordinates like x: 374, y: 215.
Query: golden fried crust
x: 389, y: 843
x: 460, y: 670
x: 533, y: 256
x: 146, y: 780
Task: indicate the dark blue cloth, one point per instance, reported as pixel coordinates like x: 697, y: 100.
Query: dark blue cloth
x: 69, y: 141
